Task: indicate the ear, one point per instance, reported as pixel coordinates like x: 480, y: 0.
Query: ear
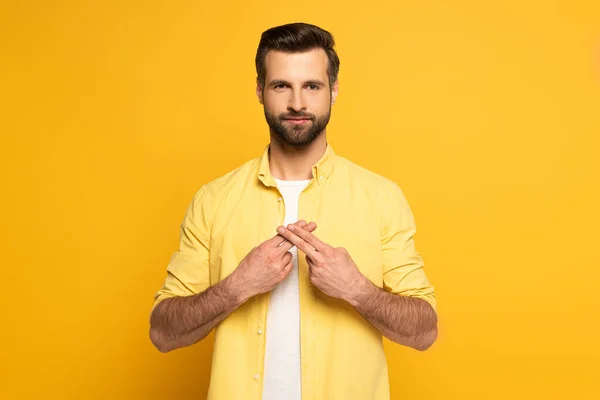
x: 334, y: 91
x: 259, y: 92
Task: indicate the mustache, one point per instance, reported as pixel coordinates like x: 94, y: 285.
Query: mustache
x: 297, y: 116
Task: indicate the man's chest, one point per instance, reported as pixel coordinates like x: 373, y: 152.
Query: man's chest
x: 347, y: 220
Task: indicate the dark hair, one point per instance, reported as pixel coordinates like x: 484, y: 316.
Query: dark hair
x: 295, y: 38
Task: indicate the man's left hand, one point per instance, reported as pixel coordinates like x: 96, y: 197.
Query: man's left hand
x: 331, y: 269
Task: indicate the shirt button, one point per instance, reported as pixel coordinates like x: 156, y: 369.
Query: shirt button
x: 260, y: 331
x: 256, y: 376
x: 279, y: 199
x: 321, y: 178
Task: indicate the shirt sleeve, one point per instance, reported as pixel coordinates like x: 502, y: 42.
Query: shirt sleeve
x: 403, y: 272
x: 188, y: 270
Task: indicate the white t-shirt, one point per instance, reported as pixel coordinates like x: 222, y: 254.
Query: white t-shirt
x: 282, y: 352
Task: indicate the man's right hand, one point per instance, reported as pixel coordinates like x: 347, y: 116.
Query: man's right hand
x: 266, y: 265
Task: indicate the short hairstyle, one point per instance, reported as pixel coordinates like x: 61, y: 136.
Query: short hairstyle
x: 295, y: 38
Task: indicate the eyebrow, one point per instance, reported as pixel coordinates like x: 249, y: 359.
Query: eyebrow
x: 276, y: 82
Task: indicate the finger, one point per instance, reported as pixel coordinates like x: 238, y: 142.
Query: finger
x: 275, y: 241
x: 309, y: 238
x: 311, y: 226
x: 297, y: 241
x: 312, y: 270
x: 311, y: 264
x: 286, y: 245
x: 287, y: 257
x: 278, y: 240
x: 301, y: 223
x: 288, y: 268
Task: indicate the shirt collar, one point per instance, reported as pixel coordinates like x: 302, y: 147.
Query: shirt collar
x: 321, y: 170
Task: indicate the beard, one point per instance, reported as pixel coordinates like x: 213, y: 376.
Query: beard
x: 297, y: 135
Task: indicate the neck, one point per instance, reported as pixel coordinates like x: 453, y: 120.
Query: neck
x: 295, y: 163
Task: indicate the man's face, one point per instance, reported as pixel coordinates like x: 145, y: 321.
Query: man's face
x: 296, y: 96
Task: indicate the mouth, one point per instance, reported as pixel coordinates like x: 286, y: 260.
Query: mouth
x: 297, y: 120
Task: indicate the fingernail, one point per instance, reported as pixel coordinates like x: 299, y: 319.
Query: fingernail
x: 302, y: 222
x: 281, y: 230
x: 291, y: 227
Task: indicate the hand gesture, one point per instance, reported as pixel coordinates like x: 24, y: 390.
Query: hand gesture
x: 331, y: 268
x: 267, y: 265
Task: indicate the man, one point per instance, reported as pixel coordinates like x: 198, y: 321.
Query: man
x: 292, y: 327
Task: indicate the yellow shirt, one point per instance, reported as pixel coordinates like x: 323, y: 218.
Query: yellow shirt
x: 342, y: 354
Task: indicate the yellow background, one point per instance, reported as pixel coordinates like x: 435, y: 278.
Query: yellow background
x: 114, y: 113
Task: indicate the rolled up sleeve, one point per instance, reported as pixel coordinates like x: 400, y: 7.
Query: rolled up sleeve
x: 188, y: 270
x: 403, y: 272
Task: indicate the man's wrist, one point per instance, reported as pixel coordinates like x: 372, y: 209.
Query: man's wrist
x: 360, y: 291
x: 235, y: 290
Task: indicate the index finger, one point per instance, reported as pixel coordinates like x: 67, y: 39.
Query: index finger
x: 279, y: 240
x: 309, y: 238
x: 297, y: 241
x: 275, y: 241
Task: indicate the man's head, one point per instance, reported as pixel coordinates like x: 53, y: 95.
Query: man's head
x: 297, y: 70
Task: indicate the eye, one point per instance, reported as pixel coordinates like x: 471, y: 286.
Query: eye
x: 280, y: 86
x: 313, y: 87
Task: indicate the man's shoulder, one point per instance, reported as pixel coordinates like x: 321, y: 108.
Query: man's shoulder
x: 365, y: 176
x: 386, y: 193
x: 236, y: 176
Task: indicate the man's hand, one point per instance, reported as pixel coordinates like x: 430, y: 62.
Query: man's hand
x: 405, y: 320
x: 266, y: 265
x: 331, y: 268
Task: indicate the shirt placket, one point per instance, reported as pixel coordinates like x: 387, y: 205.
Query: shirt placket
x: 307, y: 300
x: 263, y: 304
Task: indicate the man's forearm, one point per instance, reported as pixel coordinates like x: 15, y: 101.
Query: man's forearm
x: 405, y: 320
x: 181, y: 321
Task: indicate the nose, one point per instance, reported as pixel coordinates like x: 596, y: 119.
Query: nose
x: 296, y: 102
